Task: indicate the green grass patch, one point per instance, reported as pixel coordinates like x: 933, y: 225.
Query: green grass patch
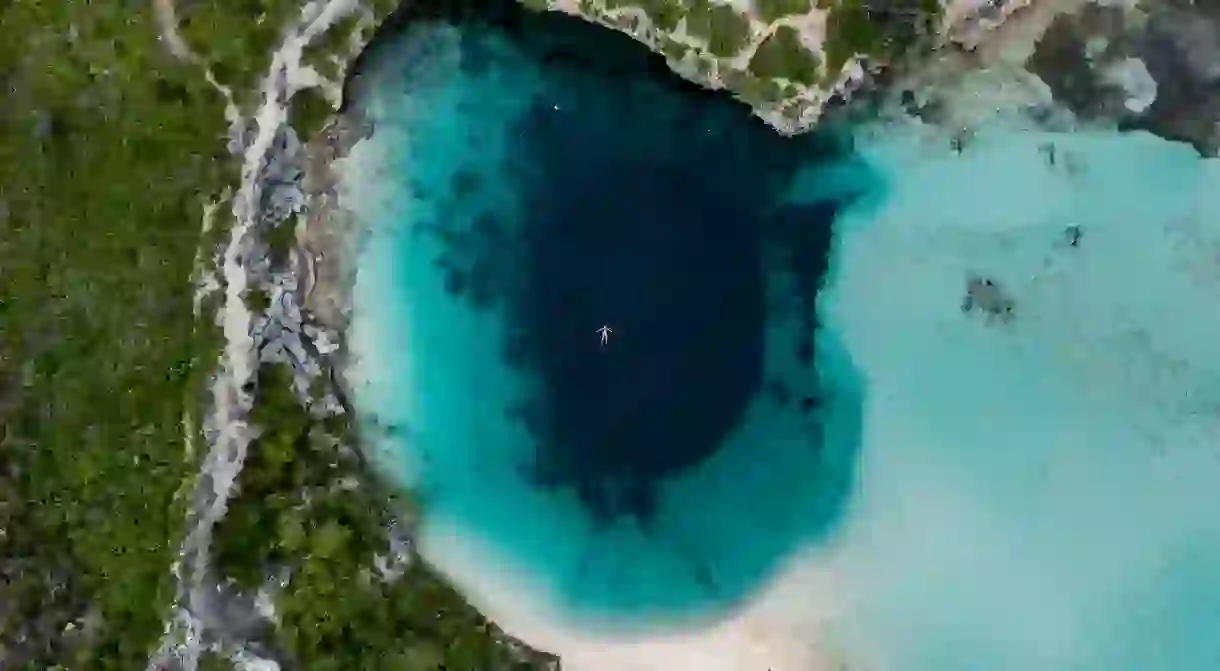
x: 782, y: 56
x: 725, y: 31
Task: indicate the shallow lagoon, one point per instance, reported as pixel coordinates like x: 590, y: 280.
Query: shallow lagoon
x: 1038, y: 494
x: 1025, y: 492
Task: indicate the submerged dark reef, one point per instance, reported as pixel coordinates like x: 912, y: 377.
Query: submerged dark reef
x: 554, y: 177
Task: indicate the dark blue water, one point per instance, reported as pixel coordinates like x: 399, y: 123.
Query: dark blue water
x: 530, y: 179
x: 658, y: 233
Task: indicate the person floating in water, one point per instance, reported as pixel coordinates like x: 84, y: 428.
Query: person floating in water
x: 605, y: 331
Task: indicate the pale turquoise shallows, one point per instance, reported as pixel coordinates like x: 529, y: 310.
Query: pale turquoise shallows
x: 1037, y: 493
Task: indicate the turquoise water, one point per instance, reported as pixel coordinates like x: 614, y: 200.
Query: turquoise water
x: 527, y: 195
x: 791, y: 379
x: 1039, y: 494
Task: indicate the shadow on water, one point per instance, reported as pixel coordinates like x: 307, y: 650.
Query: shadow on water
x: 658, y: 209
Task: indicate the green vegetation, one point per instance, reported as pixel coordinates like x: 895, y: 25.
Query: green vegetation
x: 753, y: 89
x: 672, y: 49
x: 335, y: 41
x: 210, y: 661
x: 769, y: 11
x: 236, y: 38
x: 665, y: 14
x: 257, y: 300
x: 536, y: 5
x: 110, y: 148
x: 307, y: 505
x: 782, y: 56
x: 281, y: 238
x: 850, y: 31
x: 725, y: 31
x: 323, y: 63
x: 878, y: 33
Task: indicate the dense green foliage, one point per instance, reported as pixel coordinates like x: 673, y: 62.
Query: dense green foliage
x: 879, y: 31
x: 236, y: 35
x: 725, y: 31
x: 306, y: 505
x: 782, y: 56
x: 850, y: 31
x: 108, y: 149
x: 769, y: 11
x: 210, y: 661
x: 665, y: 14
x: 752, y: 89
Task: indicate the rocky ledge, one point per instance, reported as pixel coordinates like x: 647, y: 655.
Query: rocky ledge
x: 1153, y: 67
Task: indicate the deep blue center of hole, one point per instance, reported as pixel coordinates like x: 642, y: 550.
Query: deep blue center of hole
x: 674, y: 268
x: 601, y: 189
